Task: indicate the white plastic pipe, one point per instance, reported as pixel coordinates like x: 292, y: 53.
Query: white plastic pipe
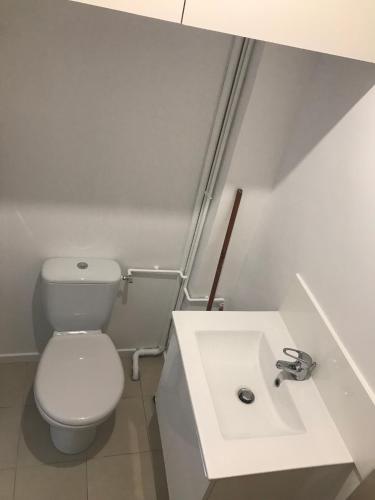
x: 167, y: 272
x: 143, y: 352
x: 200, y: 300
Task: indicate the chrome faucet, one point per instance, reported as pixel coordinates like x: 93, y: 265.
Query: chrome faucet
x: 301, y: 368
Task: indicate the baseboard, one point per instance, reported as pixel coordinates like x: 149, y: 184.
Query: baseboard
x: 17, y: 357
x: 348, y: 397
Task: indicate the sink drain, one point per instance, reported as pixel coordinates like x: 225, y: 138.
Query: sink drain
x: 246, y: 396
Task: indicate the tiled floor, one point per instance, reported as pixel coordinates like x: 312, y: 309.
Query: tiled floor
x: 124, y: 463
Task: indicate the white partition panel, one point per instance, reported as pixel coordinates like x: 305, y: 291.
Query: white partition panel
x: 340, y: 27
x: 168, y: 10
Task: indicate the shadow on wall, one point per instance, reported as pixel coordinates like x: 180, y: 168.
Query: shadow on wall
x: 41, y: 328
x: 337, y: 85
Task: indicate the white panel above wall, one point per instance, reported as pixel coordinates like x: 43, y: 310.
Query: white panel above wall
x: 340, y: 27
x: 168, y: 10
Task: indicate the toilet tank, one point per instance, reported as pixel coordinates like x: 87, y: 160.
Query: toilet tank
x: 79, y: 293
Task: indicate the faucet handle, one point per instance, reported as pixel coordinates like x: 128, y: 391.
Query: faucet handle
x: 301, y: 356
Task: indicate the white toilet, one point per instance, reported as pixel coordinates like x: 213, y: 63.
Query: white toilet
x: 80, y: 377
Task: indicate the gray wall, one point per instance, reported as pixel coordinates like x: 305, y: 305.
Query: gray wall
x: 104, y: 122
x: 270, y: 100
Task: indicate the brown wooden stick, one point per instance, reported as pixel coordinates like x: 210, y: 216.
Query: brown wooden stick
x: 224, y: 249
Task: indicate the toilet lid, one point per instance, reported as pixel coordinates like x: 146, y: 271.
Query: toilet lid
x: 80, y: 378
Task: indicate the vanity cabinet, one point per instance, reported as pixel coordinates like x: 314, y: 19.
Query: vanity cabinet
x: 185, y: 465
x: 168, y: 10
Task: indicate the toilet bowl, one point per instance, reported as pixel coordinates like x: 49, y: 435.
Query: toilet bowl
x: 78, y: 384
x: 80, y: 378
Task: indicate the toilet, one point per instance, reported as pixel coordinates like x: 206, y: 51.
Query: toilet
x: 80, y: 378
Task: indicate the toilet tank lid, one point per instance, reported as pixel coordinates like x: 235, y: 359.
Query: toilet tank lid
x: 80, y: 270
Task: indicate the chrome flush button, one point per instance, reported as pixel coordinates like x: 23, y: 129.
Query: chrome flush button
x: 82, y: 265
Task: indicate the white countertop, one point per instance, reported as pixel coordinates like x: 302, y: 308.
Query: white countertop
x: 321, y: 444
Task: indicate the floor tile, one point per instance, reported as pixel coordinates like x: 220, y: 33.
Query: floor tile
x: 51, y: 482
x: 151, y: 364
x: 150, y: 368
x: 7, y: 484
x: 123, y: 432
x: 10, y: 419
x: 12, y: 384
x: 152, y: 423
x: 35, y: 445
x: 132, y: 388
x: 126, y: 477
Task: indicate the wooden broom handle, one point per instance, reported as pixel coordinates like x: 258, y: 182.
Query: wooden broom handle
x: 224, y: 248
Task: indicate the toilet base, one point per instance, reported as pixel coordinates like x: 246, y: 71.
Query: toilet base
x: 71, y: 441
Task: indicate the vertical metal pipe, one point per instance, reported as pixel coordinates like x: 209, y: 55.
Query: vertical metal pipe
x: 217, y: 157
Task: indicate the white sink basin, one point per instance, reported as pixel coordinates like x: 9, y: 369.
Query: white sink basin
x: 243, y: 359
x: 286, y: 427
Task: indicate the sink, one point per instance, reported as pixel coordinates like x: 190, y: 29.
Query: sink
x: 285, y: 427
x: 243, y: 359
x: 227, y: 429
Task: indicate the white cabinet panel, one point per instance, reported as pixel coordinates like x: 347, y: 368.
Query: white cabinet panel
x: 340, y: 27
x: 169, y: 10
x: 181, y: 449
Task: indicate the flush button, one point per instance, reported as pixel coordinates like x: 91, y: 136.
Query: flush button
x: 82, y: 265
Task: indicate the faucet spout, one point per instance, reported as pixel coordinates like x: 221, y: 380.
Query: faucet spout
x: 287, y: 365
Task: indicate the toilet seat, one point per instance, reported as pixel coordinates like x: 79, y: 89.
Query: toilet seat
x: 79, y: 380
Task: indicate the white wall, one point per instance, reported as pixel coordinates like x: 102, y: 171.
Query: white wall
x: 320, y: 218
x: 104, y: 120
